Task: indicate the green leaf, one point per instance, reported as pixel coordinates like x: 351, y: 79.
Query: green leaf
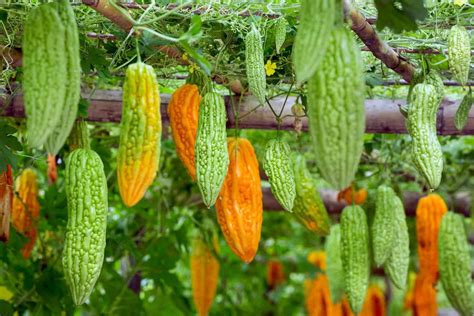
x: 5, y: 308
x: 400, y: 15
x: 8, y: 144
x: 83, y: 108
x: 3, y: 18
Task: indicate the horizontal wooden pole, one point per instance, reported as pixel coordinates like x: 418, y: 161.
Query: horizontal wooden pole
x: 461, y: 202
x: 382, y: 115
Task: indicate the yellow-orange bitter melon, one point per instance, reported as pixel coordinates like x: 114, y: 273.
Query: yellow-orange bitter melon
x: 374, y: 304
x: 140, y: 133
x: 26, y: 208
x: 204, y: 275
x: 6, y: 202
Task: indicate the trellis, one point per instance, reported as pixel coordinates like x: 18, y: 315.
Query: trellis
x: 382, y: 115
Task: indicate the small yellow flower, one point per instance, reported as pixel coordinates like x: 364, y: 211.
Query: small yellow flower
x: 460, y: 2
x: 270, y: 67
x: 184, y: 57
x: 192, y: 67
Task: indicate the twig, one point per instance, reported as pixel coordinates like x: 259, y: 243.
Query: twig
x: 377, y: 46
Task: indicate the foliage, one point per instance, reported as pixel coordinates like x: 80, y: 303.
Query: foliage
x: 146, y: 268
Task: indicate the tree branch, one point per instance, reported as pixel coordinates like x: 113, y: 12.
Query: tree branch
x: 111, y: 13
x: 379, y: 48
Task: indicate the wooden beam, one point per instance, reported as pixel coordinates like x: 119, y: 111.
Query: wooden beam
x: 382, y: 115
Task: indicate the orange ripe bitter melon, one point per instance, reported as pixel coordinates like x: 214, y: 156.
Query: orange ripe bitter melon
x: 26, y: 208
x: 204, y: 275
x: 239, y: 205
x: 6, y: 202
x: 183, y: 111
x: 429, y: 211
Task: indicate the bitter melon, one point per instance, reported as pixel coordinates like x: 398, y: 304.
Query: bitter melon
x: 45, y: 72
x: 355, y: 255
x: 279, y: 170
x: 459, y: 53
x: 280, y: 33
x: 239, y: 205
x: 429, y: 211
x: 336, y: 109
x: 383, y: 226
x: 140, y: 133
x: 86, y: 192
x: 455, y: 263
x: 426, y: 149
x: 462, y: 114
x: 68, y: 111
x: 334, y: 264
x: 314, y: 31
x: 255, y: 64
x: 204, y: 275
x: 397, y: 263
x: 211, y: 155
x: 308, y: 207
x: 183, y: 112
x: 430, y: 76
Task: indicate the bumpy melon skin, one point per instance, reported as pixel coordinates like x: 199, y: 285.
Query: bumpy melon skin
x: 455, y: 263
x: 317, y: 18
x: 239, y: 207
x: 255, y: 64
x: 459, y: 53
x: 433, y: 78
x: 426, y: 149
x: 462, y: 114
x: 334, y: 264
x: 204, y: 276
x: 336, y: 110
x: 68, y: 112
x: 45, y: 72
x: 86, y: 192
x: 429, y: 212
x: 280, y: 174
x: 183, y: 112
x: 355, y: 255
x: 383, y: 226
x: 211, y: 155
x: 308, y: 206
x: 280, y: 33
x: 140, y: 133
x: 397, y: 264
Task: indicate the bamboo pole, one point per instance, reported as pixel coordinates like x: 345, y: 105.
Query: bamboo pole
x: 382, y: 115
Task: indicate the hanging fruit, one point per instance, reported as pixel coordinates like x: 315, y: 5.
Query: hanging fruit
x: 204, y: 275
x: 183, y: 111
x: 26, y: 208
x: 239, y: 205
x: 140, y: 133
x: 6, y: 202
x: 429, y: 212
